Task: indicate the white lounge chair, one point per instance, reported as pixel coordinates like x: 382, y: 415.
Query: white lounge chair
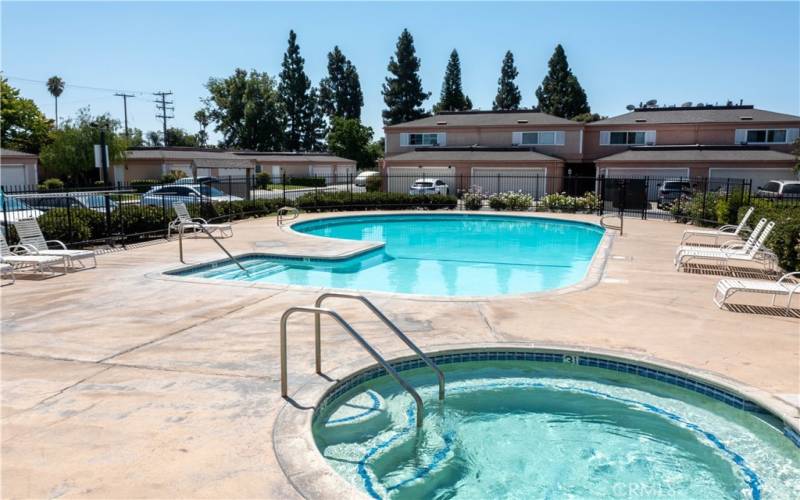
x: 31, y: 237
x: 7, y: 269
x: 727, y: 287
x: 730, y: 252
x: 751, y: 240
x: 185, y: 221
x: 728, y: 230
x: 42, y: 264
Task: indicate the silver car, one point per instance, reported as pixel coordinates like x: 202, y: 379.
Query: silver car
x: 186, y: 193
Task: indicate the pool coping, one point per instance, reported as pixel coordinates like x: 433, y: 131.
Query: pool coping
x: 592, y: 277
x: 310, y: 474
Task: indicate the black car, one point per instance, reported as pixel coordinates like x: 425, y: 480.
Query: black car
x: 669, y: 191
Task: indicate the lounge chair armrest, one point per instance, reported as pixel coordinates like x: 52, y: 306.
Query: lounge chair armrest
x: 58, y: 244
x: 200, y: 220
x: 787, y: 275
x: 23, y: 249
x: 727, y: 228
x: 731, y: 245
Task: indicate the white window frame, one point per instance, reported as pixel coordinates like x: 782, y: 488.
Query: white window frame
x: 558, y: 137
x: 649, y: 137
x: 786, y: 135
x: 405, y: 139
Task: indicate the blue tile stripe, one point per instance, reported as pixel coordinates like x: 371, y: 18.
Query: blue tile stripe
x: 750, y: 476
x: 375, y: 406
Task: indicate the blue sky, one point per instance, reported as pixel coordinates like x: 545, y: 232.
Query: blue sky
x: 622, y: 52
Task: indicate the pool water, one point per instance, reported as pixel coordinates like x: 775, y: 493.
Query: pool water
x: 440, y: 255
x: 511, y: 429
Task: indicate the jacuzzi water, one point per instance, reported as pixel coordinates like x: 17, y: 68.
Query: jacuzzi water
x: 435, y: 254
x: 547, y: 430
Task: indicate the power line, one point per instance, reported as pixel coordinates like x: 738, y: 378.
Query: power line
x: 125, y: 107
x: 164, y: 110
x: 85, y: 87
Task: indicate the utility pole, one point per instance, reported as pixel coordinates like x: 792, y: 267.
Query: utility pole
x: 125, y: 106
x: 164, y: 110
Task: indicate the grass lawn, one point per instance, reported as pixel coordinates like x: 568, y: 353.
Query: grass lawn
x: 125, y: 197
x: 289, y: 187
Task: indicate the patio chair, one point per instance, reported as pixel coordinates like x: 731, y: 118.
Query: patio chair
x: 8, y: 269
x: 186, y: 221
x: 41, y: 264
x: 751, y: 240
x: 730, y: 252
x: 31, y: 237
x: 727, y: 287
x: 722, y: 231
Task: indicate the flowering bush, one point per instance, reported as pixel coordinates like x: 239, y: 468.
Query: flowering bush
x: 473, y: 201
x: 561, y: 202
x: 511, y: 201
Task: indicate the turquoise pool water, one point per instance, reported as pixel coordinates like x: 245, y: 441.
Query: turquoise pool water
x: 436, y: 254
x: 509, y: 429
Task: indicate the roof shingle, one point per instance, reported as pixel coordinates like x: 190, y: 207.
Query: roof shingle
x: 698, y: 153
x: 486, y: 119
x: 742, y: 115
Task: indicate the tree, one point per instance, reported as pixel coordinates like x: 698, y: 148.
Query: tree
x: 246, y: 110
x: 340, y: 92
x: 70, y: 155
x: 508, y: 96
x: 181, y: 138
x: 588, y: 117
x: 402, y: 91
x: 560, y: 94
x: 300, y: 101
x: 55, y: 85
x: 452, y: 97
x: 349, y: 139
x: 154, y: 139
x: 201, y: 117
x: 313, y: 126
x: 135, y: 138
x: 23, y: 127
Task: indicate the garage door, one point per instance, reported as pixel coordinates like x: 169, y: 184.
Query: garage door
x: 401, y: 178
x: 492, y: 180
x: 343, y: 174
x: 758, y: 176
x: 232, y: 172
x: 13, y: 175
x: 325, y: 171
x: 655, y: 173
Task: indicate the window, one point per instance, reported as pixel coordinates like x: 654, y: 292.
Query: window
x: 626, y: 138
x: 423, y: 139
x: 766, y: 136
x: 772, y: 187
x: 791, y: 189
x: 539, y: 138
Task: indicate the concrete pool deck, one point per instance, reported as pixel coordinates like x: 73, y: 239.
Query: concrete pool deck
x: 117, y: 383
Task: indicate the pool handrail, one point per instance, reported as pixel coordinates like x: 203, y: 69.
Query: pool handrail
x: 230, y: 256
x: 358, y: 338
x: 386, y: 321
x: 284, y: 211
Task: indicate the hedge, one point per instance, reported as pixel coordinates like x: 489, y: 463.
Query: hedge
x: 317, y: 202
x: 75, y: 224
x: 785, y: 237
x: 307, y: 181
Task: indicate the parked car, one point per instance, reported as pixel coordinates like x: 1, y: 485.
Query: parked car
x: 361, y: 178
x: 14, y: 209
x: 780, y: 189
x: 49, y: 201
x: 429, y: 186
x: 669, y: 191
x: 186, y: 193
x: 203, y: 179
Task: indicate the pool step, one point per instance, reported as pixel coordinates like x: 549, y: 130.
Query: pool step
x: 254, y: 271
x: 360, y: 418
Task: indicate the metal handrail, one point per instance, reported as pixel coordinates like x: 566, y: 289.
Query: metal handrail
x: 358, y: 338
x: 284, y: 211
x: 609, y: 226
x: 385, y: 320
x: 180, y: 247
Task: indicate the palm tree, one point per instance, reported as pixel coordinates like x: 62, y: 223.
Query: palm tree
x: 55, y: 85
x: 201, y: 116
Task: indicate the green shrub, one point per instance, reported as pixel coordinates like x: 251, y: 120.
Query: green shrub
x: 315, y: 202
x: 246, y: 208
x: 701, y: 208
x: 132, y: 219
x: 473, y: 201
x: 50, y: 184
x: 144, y: 185
x: 263, y: 180
x: 374, y: 183
x: 561, y: 202
x: 727, y: 210
x: 510, y: 201
x: 307, y: 181
x: 75, y: 224
x: 785, y: 237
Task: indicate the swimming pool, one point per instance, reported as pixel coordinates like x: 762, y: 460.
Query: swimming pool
x: 541, y: 425
x: 434, y: 254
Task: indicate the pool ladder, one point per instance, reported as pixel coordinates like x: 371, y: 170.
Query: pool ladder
x: 317, y: 310
x: 283, y: 212
x: 215, y: 240
x: 613, y: 226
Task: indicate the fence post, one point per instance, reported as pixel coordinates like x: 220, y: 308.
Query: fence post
x: 601, y: 190
x: 230, y: 198
x: 283, y: 185
x: 107, y: 200
x: 5, y: 217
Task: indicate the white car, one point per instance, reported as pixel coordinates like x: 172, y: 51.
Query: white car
x: 429, y: 186
x: 779, y: 189
x: 186, y: 193
x: 361, y: 178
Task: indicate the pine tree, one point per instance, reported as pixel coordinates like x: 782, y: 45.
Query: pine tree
x: 313, y: 129
x: 508, y: 95
x: 402, y: 91
x: 340, y: 93
x: 560, y: 94
x: 299, y: 101
x: 452, y: 97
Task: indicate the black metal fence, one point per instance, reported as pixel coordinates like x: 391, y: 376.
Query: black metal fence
x: 142, y: 209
